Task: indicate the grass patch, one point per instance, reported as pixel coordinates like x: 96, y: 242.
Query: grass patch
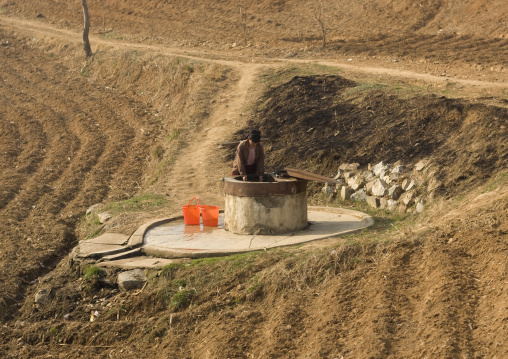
x: 171, y: 268
x: 111, y: 35
x: 143, y: 202
x: 158, y: 152
x: 54, y: 331
x: 89, y: 226
x: 320, y: 68
x: 240, y: 260
x: 363, y: 87
x: 255, y: 275
x: 276, y: 77
x: 94, y: 274
x: 173, y: 135
x: 495, y: 182
x: 85, y: 71
x: 182, y: 299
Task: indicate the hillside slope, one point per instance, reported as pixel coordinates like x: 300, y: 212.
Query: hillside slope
x: 139, y: 127
x: 450, y: 37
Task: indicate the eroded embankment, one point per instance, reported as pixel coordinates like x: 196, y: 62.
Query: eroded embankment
x: 320, y: 122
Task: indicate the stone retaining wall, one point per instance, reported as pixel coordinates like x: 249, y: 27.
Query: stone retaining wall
x: 389, y: 186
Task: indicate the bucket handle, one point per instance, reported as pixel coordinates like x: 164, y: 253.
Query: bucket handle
x: 192, y: 199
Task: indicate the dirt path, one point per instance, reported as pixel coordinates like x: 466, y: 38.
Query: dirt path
x: 200, y: 167
x: 236, y: 60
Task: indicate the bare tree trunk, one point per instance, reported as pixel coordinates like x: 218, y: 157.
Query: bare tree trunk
x: 318, y: 13
x: 86, y: 30
x: 104, y: 15
x: 243, y: 19
x: 323, y: 31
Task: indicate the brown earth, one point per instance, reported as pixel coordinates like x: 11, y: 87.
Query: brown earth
x: 169, y: 82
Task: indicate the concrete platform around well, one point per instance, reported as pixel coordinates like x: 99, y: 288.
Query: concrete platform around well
x: 138, y: 262
x: 106, y: 244
x: 173, y: 239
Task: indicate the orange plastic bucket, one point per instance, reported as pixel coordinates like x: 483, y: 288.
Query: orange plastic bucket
x: 191, y: 212
x: 210, y: 215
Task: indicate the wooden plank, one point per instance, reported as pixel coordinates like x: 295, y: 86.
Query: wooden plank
x: 293, y: 172
x: 287, y: 179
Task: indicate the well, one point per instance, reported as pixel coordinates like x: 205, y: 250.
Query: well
x: 268, y: 207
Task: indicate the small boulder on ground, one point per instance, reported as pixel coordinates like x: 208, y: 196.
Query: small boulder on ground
x: 346, y: 192
x: 104, y: 217
x: 131, y: 280
x: 42, y: 296
x: 92, y: 209
x: 397, y: 169
x: 356, y: 183
x: 395, y: 191
x: 420, y: 207
x: 374, y: 202
x: 391, y: 204
x: 380, y: 167
x: 408, y: 198
x: 379, y: 187
x: 408, y: 184
x: 359, y: 196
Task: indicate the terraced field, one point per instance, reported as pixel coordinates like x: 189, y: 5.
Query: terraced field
x: 169, y: 82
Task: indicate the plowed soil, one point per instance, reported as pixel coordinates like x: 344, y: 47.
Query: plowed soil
x: 168, y: 83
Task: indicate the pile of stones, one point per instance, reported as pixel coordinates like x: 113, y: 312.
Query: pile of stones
x: 387, y: 186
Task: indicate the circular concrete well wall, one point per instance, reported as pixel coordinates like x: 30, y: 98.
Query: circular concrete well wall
x: 267, y: 207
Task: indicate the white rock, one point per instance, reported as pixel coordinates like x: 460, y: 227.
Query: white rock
x: 419, y: 207
x: 407, y: 198
x: 356, y: 183
x: 133, y: 279
x: 368, y: 176
x: 420, y: 165
x: 368, y: 186
x: 392, y: 204
x: 93, y: 208
x: 378, y: 168
x: 411, y: 185
x: 346, y: 192
x: 394, y: 192
x: 379, y: 188
x: 397, y: 169
x: 42, y: 296
x: 104, y: 216
x: 349, y: 166
x: 408, y: 184
x: 373, y: 202
x: 359, y: 196
x: 340, y: 174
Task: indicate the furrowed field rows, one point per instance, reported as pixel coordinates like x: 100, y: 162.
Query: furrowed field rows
x: 63, y: 148
x: 438, y: 47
